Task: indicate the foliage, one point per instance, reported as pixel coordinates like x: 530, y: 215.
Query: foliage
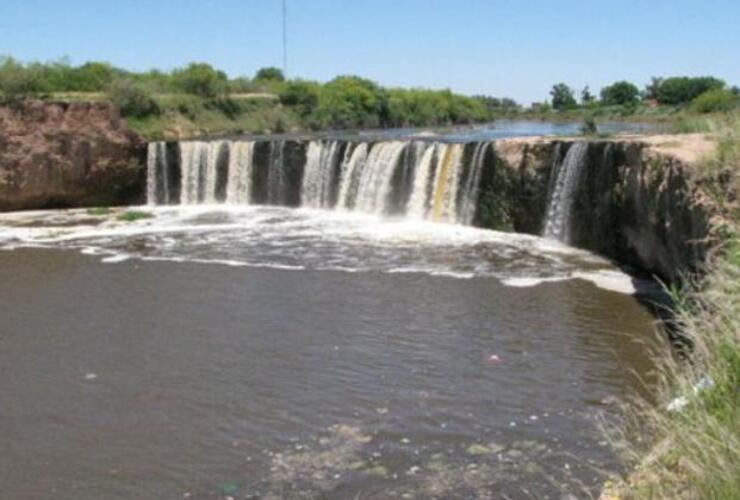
x: 620, y: 93
x: 17, y: 83
x: 652, y: 88
x: 302, y: 95
x: 682, y: 90
x: 562, y: 97
x: 417, y: 107
x: 200, y: 79
x: 588, y: 127
x: 715, y: 100
x: 351, y: 102
x: 240, y: 85
x: 496, y: 105
x: 270, y: 73
x: 132, y: 99
x: 586, y: 96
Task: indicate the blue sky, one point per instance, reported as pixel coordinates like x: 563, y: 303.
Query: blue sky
x: 497, y: 47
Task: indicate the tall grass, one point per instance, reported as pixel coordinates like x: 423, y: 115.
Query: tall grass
x: 694, y: 451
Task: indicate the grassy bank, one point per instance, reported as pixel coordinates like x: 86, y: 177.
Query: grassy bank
x: 688, y: 445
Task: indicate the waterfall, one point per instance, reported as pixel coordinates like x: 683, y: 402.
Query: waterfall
x: 417, y: 204
x: 193, y: 156
x: 469, y: 196
x: 239, y: 183
x: 212, y: 157
x: 446, y: 183
x: 375, y: 179
x: 317, y: 177
x: 419, y: 179
x: 560, y: 207
x: 350, y: 176
x: 276, y: 174
x: 157, y: 174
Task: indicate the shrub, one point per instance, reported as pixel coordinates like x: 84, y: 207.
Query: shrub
x: 17, y: 82
x: 620, y: 93
x: 588, y: 127
x: 200, y: 79
x: 240, y: 85
x: 132, y: 99
x: 270, y: 73
x: 715, y: 100
x: 301, y: 95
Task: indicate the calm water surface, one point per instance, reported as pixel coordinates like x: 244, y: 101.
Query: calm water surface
x: 276, y: 353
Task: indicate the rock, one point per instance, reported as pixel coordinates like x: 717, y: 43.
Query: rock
x: 59, y: 155
x: 639, y: 203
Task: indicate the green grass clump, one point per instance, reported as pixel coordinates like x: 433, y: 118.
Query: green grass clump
x: 694, y: 452
x: 99, y: 211
x: 134, y: 215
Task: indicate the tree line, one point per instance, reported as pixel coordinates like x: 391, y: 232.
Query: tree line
x: 344, y: 102
x: 704, y: 94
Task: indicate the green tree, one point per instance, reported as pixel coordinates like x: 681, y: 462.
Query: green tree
x: 96, y: 76
x: 586, y: 96
x: 683, y: 89
x: 301, y: 95
x: 652, y: 88
x: 200, y: 79
x: 351, y: 102
x: 562, y: 97
x: 270, y: 73
x: 621, y: 93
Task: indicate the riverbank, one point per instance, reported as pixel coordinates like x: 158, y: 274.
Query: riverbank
x: 688, y: 444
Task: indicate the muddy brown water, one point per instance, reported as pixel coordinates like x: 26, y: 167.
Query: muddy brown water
x: 189, y: 379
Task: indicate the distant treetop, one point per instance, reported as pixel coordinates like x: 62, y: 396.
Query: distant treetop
x: 270, y: 73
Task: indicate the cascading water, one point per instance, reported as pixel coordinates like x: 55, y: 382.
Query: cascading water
x: 419, y: 179
x: 469, y: 198
x: 212, y: 157
x: 276, y: 174
x: 375, y: 179
x: 239, y: 184
x: 158, y: 191
x: 350, y: 176
x: 317, y: 177
x: 193, y: 155
x: 560, y: 207
x: 417, y: 204
x: 446, y: 182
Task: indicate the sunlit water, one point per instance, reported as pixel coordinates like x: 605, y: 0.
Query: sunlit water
x: 210, y: 352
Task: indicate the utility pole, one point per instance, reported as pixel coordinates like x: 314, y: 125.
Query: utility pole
x: 285, y: 41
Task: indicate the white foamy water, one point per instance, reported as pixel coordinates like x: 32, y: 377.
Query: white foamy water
x: 276, y: 237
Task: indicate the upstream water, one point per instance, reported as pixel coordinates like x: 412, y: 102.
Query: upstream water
x: 266, y: 352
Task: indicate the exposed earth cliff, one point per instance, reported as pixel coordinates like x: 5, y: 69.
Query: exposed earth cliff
x: 68, y: 155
